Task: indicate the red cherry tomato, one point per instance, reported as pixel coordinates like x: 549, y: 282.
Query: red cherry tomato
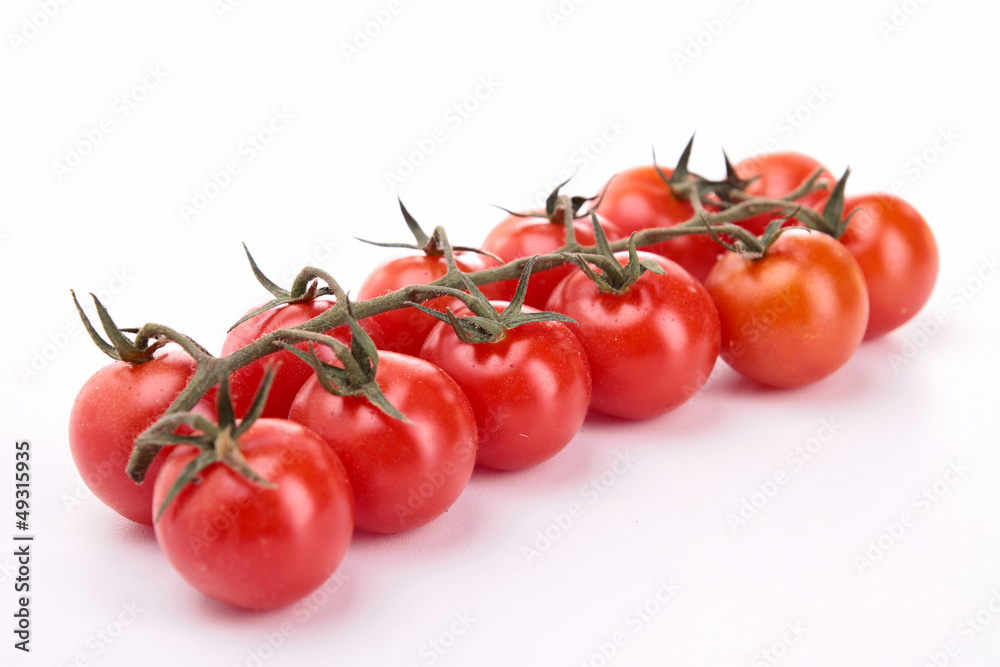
x: 778, y: 175
x: 651, y: 348
x: 251, y: 546
x: 404, y: 330
x: 292, y: 372
x: 796, y: 315
x: 898, y: 255
x: 113, y: 407
x: 529, y: 391
x: 515, y: 237
x: 638, y: 199
x: 403, y: 475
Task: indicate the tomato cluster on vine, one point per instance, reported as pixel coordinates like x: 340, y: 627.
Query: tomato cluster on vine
x: 325, y: 414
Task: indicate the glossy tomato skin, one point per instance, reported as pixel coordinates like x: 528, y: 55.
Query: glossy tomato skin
x: 795, y: 316
x: 251, y: 546
x: 651, y: 348
x: 777, y: 175
x: 403, y: 475
x: 404, y: 330
x: 292, y: 371
x: 638, y: 199
x: 529, y: 392
x: 113, y: 407
x: 515, y: 237
x: 897, y: 253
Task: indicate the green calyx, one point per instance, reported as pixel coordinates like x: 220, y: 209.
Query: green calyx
x: 834, y: 222
x: 614, y: 278
x: 683, y: 182
x: 555, y: 209
x: 724, y: 189
x: 753, y: 247
x: 360, y: 364
x: 304, y: 288
x: 429, y: 245
x: 563, y: 210
x: 555, y: 206
x: 218, y: 442
x: 681, y: 172
x: 686, y: 184
x: 487, y: 324
x: 120, y: 348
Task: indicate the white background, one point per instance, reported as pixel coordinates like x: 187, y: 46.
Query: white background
x: 589, y: 86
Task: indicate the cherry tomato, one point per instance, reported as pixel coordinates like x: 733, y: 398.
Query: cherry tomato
x: 515, y: 237
x: 251, y: 546
x: 638, y: 199
x: 898, y: 255
x: 796, y: 315
x: 529, y: 391
x: 404, y: 330
x: 778, y: 175
x: 113, y: 407
x: 292, y: 371
x: 651, y: 348
x: 403, y: 475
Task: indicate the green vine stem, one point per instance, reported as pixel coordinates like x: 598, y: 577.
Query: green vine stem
x: 211, y: 371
